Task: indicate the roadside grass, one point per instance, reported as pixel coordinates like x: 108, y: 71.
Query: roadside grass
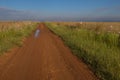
x: 13, y: 36
x: 99, y: 49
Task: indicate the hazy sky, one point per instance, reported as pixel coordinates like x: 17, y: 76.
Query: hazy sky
x: 69, y: 10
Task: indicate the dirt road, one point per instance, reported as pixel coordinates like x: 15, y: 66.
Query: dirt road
x: 43, y: 57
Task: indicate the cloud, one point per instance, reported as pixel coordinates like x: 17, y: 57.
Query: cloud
x: 100, y: 14
x: 10, y: 14
x: 104, y: 13
x: 108, y: 9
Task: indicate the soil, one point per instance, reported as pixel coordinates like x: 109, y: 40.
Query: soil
x: 44, y: 57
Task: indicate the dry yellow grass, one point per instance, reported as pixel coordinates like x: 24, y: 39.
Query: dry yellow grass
x: 100, y: 26
x: 16, y: 25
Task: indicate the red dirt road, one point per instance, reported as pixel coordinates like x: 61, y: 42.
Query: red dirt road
x: 43, y: 58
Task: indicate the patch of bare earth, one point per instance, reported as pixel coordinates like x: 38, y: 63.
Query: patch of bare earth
x: 43, y: 58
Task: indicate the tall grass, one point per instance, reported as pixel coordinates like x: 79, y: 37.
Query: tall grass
x: 100, y: 50
x: 11, y: 36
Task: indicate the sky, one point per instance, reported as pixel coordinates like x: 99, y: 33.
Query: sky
x: 60, y: 10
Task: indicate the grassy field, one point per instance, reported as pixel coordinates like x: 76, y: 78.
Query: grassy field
x: 97, y: 44
x: 13, y: 33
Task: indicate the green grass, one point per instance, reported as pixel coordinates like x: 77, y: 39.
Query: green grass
x: 100, y: 50
x: 13, y: 37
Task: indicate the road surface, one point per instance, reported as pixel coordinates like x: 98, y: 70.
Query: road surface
x: 43, y: 57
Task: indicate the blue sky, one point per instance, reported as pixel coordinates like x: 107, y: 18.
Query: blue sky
x: 67, y: 10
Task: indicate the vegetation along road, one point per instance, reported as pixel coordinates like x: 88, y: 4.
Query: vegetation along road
x: 43, y: 57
